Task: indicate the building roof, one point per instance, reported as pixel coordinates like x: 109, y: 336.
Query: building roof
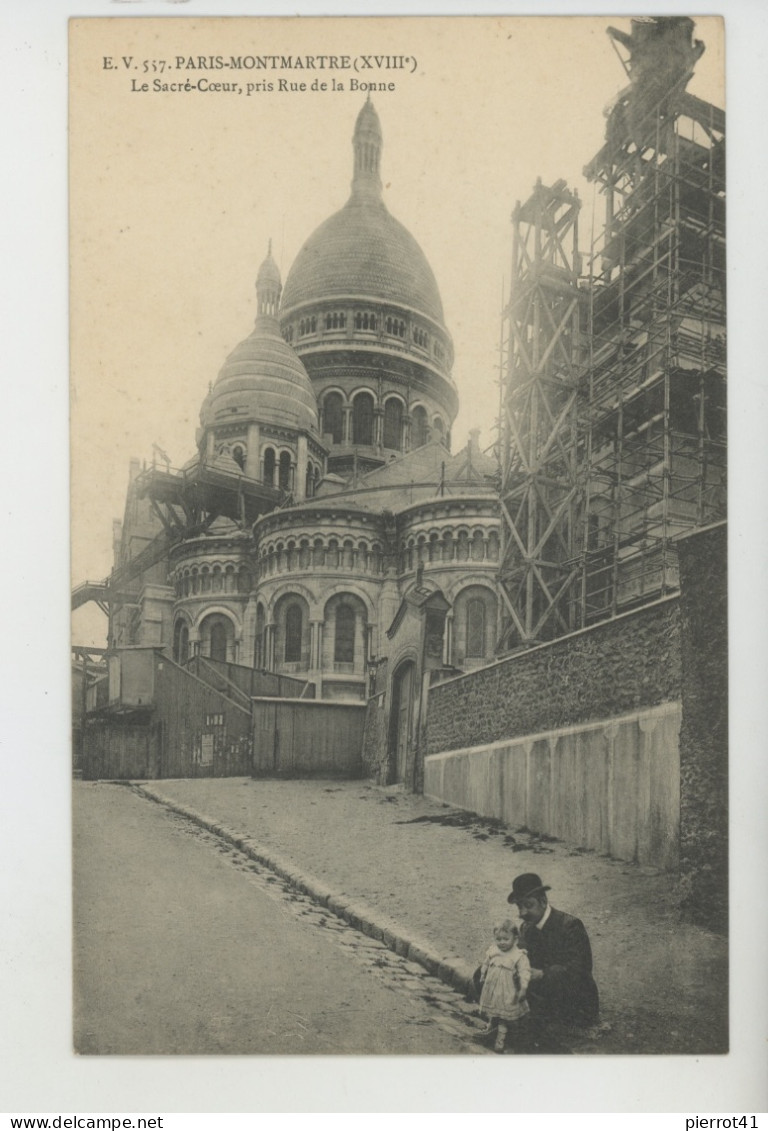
x: 362, y: 251
x: 422, y: 474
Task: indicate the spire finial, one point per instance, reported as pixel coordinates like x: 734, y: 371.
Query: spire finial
x: 268, y: 287
x: 367, y: 144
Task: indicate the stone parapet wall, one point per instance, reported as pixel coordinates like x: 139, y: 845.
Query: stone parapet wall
x: 610, y: 669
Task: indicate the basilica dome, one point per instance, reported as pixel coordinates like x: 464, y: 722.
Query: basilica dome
x: 362, y: 251
x: 263, y: 379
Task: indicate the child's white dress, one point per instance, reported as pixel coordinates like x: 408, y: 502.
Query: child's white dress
x: 500, y: 997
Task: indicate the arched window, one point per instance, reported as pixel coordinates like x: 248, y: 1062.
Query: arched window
x: 218, y: 645
x: 238, y: 455
x: 344, y: 642
x: 285, y: 471
x: 180, y: 642
x: 269, y: 467
x: 333, y: 417
x: 476, y: 627
x: 439, y: 428
x: 419, y: 427
x: 393, y: 423
x: 362, y: 419
x: 293, y: 633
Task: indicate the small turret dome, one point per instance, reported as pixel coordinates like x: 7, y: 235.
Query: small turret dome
x: 263, y: 379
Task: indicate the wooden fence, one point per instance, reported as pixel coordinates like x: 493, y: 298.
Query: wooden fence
x: 305, y: 737
x: 191, y: 729
x: 119, y: 747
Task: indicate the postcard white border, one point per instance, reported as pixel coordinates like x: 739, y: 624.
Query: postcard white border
x: 40, y: 1074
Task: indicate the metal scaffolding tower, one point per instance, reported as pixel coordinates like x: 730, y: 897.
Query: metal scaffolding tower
x: 613, y: 422
x: 540, y: 464
x: 654, y: 371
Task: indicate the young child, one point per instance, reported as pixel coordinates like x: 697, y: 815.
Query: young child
x: 505, y: 975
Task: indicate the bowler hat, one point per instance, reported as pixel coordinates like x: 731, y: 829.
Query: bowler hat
x: 523, y: 886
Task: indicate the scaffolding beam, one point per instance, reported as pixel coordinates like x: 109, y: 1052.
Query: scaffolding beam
x: 540, y: 485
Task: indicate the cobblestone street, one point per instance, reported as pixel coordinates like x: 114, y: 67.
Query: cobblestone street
x: 439, y: 877
x: 184, y: 945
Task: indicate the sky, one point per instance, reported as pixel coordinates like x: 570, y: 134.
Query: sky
x: 175, y: 195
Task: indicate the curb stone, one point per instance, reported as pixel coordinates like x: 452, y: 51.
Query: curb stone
x: 449, y: 969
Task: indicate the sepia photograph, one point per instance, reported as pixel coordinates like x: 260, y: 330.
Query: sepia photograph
x: 398, y: 476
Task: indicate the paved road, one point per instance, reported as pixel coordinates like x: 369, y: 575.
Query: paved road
x: 184, y: 945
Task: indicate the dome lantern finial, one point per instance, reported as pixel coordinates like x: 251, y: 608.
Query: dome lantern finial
x: 367, y: 144
x: 268, y: 287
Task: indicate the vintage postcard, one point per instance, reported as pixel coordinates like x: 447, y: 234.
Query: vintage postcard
x: 398, y: 371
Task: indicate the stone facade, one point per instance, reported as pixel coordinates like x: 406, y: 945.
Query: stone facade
x: 340, y: 402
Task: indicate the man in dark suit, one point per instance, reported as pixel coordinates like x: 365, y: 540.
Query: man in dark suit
x: 562, y: 987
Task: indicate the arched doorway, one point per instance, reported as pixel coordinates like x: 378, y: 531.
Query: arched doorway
x: 401, y: 719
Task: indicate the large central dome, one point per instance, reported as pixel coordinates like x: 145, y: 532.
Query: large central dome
x: 362, y: 251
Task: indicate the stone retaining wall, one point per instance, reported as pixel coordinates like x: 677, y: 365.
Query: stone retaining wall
x: 704, y: 733
x: 610, y: 669
x: 613, y: 786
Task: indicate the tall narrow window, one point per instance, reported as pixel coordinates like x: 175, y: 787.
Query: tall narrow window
x: 393, y: 423
x: 181, y: 642
x: 293, y: 629
x: 362, y: 419
x: 344, y: 644
x: 333, y: 417
x: 218, y: 642
x: 258, y: 653
x: 419, y: 427
x: 476, y: 627
x: 285, y: 471
x: 269, y: 467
